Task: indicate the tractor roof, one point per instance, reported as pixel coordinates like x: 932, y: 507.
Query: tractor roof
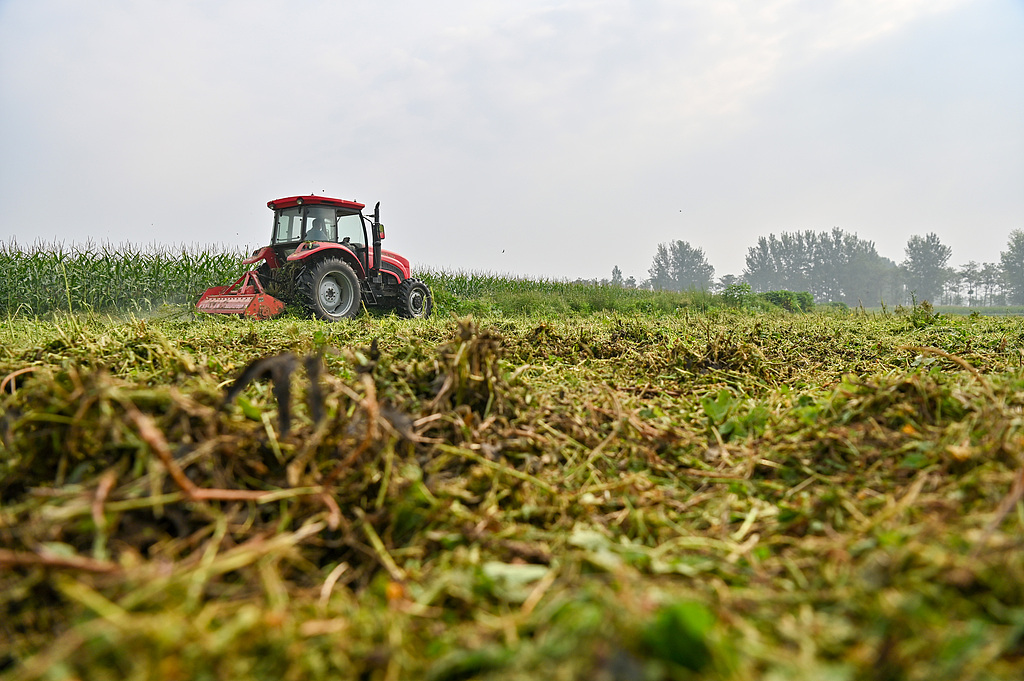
x: 312, y: 199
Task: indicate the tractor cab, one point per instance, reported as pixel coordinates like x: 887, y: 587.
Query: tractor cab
x: 306, y: 223
x: 317, y: 218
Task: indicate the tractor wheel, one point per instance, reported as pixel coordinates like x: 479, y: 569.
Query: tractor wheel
x: 331, y: 290
x: 414, y: 300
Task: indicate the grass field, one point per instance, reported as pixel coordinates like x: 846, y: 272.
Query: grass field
x: 545, y: 480
x: 678, y: 495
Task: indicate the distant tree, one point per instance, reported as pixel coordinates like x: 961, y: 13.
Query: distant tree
x: 795, y: 261
x: 798, y: 256
x: 726, y: 281
x: 925, y: 266
x: 660, y: 273
x: 992, y: 280
x: 862, y: 275
x: 831, y: 266
x: 616, y: 276
x: 952, y: 288
x: 678, y: 266
x: 894, y: 285
x: 969, y: 279
x: 829, y: 263
x: 1011, y: 263
x: 872, y: 279
x: 762, y: 270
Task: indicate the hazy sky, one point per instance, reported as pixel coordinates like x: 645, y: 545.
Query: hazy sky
x: 555, y: 138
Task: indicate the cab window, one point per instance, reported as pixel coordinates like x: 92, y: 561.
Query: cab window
x: 288, y: 225
x: 325, y: 220
x: 351, y: 227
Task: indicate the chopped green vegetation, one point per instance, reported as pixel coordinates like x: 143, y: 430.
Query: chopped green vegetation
x: 692, y: 494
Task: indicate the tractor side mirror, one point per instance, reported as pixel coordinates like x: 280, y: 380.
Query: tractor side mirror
x: 380, y: 231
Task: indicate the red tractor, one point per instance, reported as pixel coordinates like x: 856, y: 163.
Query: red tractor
x: 325, y: 255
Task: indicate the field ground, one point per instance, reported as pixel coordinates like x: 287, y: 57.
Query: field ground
x: 715, y: 495
x: 982, y: 310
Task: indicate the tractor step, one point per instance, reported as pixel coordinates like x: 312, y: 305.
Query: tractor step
x: 244, y: 297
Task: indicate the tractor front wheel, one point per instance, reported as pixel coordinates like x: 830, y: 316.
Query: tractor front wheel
x: 332, y: 290
x: 414, y: 300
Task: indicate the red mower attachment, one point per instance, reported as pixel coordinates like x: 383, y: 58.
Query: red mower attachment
x: 245, y: 297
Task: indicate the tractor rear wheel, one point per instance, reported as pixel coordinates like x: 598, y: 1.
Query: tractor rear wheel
x: 414, y: 300
x: 331, y: 290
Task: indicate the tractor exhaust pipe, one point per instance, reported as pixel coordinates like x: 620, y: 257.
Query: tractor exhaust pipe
x: 378, y: 234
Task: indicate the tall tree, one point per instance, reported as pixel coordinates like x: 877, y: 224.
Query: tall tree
x: 797, y: 257
x: 992, y: 280
x: 725, y: 281
x: 830, y: 265
x: 1011, y: 263
x: 867, y: 278
x: 925, y: 266
x: 660, y: 272
x: 678, y: 266
x: 970, y: 279
x: 762, y: 270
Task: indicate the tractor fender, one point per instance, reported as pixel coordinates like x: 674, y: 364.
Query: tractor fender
x: 266, y: 253
x: 309, y: 249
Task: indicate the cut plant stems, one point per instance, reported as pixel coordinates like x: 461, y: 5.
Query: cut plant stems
x: 661, y: 495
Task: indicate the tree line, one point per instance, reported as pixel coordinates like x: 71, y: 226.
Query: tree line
x: 841, y: 267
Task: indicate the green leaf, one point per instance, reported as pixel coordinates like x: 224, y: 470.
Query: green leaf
x: 915, y: 460
x: 513, y: 582
x: 678, y: 634
x: 718, y: 409
x: 250, y: 410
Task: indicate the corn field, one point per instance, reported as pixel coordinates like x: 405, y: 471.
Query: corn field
x: 53, y: 277
x: 128, y: 278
